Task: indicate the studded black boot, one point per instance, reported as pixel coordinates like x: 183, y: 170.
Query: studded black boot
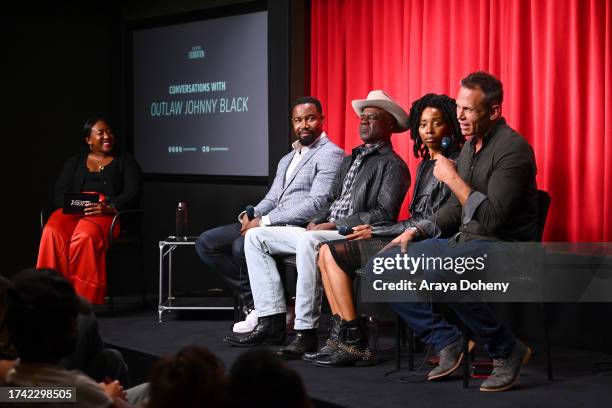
x: 351, y: 350
x: 330, y: 344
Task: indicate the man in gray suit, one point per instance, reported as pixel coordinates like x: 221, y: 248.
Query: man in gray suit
x: 300, y: 189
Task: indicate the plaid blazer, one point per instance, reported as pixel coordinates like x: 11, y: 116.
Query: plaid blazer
x: 308, y: 188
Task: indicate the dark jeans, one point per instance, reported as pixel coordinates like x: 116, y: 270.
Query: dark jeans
x: 433, y: 327
x: 222, y: 249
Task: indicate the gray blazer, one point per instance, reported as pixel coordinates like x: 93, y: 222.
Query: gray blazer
x: 308, y: 188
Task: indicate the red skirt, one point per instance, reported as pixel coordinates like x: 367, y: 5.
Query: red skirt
x: 75, y: 246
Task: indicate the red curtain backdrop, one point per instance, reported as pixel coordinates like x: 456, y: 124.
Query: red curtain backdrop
x: 553, y: 57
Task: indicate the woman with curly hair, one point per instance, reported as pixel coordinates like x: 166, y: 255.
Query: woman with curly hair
x: 431, y: 119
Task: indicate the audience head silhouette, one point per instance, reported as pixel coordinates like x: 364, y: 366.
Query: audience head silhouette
x: 194, y: 377
x: 41, y: 316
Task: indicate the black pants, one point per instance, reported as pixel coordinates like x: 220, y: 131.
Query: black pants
x: 222, y: 249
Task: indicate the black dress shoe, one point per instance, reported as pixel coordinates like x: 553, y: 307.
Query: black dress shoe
x: 330, y: 344
x: 270, y: 330
x: 304, y: 341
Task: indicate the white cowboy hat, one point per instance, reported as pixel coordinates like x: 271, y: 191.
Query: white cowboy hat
x: 379, y: 99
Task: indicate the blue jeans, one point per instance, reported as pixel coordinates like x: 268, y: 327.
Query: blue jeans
x: 433, y: 327
x: 260, y: 245
x: 222, y: 249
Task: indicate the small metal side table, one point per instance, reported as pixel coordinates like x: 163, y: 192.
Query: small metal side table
x: 166, y: 249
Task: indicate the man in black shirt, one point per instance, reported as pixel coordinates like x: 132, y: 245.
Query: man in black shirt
x: 494, y: 199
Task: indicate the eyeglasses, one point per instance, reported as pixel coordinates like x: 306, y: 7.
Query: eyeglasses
x: 101, y: 132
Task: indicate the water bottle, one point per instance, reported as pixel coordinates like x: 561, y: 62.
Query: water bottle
x: 181, y: 221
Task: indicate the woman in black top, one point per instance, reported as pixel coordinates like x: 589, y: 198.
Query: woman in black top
x: 75, y: 244
x: 431, y: 118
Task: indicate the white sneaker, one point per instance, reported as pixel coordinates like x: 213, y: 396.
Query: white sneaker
x: 247, y: 325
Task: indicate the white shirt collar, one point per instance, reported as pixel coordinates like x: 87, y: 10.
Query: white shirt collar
x: 300, y: 149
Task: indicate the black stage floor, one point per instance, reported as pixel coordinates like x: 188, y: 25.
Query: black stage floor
x: 577, y: 383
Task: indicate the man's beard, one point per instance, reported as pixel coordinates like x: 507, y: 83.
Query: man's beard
x: 307, y: 141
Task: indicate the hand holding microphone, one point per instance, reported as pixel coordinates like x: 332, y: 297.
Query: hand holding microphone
x: 247, y: 221
x: 445, y: 169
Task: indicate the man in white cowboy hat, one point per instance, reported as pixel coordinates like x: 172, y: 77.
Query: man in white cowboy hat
x: 368, y: 188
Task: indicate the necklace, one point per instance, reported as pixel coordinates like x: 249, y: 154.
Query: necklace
x: 99, y: 161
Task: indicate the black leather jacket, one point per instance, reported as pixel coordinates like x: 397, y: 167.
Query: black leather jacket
x: 429, y: 194
x: 378, y: 190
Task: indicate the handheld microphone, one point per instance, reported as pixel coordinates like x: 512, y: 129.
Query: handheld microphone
x: 250, y: 212
x: 445, y: 144
x: 344, y: 230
